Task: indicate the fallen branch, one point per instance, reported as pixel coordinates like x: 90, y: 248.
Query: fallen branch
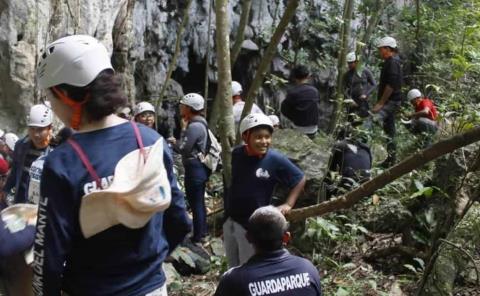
x: 411, y: 163
x: 468, y: 255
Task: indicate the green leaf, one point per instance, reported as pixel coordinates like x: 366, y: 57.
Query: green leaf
x: 342, y: 292
x: 420, y: 262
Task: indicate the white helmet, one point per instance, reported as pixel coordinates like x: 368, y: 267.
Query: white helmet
x: 351, y: 57
x: 275, y: 120
x: 236, y: 88
x: 413, y: 94
x: 193, y: 100
x: 253, y: 120
x: 10, y: 140
x: 40, y: 116
x: 75, y: 60
x: 387, y: 42
x: 143, y: 107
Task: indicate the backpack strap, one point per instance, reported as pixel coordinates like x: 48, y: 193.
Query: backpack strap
x: 138, y: 136
x: 85, y: 161
x: 209, y: 141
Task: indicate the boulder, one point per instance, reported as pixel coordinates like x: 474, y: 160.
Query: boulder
x: 311, y: 156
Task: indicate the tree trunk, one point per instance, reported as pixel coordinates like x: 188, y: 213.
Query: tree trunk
x: 173, y: 63
x: 122, y: 39
x: 207, y: 55
x: 224, y: 91
x: 237, y: 46
x: 373, y: 22
x: 345, y: 33
x: 413, y: 162
x: 268, y: 56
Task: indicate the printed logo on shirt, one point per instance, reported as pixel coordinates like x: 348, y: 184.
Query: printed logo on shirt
x: 261, y: 173
x: 281, y: 284
x: 39, y: 252
x: 92, y: 186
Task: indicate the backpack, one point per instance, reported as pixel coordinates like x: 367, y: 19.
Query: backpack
x: 211, y: 158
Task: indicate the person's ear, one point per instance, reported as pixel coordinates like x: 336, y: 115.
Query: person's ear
x: 286, y: 238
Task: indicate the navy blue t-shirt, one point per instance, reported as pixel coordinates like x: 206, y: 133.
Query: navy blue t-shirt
x: 119, y: 260
x: 254, y: 179
x: 277, y: 273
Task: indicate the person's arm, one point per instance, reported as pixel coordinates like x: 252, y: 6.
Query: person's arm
x: 371, y: 83
x: 387, y: 92
x: 175, y: 221
x: 190, y: 137
x: 290, y: 175
x: 422, y: 113
x: 16, y: 242
x: 292, y: 197
x: 55, y: 231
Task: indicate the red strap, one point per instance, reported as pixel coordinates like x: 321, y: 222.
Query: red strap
x: 139, y: 140
x: 85, y: 161
x: 89, y: 166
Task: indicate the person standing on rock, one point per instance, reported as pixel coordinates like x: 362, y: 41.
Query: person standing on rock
x: 103, y: 223
x: 26, y: 151
x: 256, y: 170
x: 272, y: 270
x: 239, y: 103
x: 301, y: 104
x: 389, y: 94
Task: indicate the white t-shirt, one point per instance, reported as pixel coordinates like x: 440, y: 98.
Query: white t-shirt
x: 238, y: 109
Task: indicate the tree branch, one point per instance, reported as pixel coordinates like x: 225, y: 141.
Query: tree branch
x: 413, y: 162
x: 237, y: 46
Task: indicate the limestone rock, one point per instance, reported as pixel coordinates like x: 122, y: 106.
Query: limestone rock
x: 311, y: 157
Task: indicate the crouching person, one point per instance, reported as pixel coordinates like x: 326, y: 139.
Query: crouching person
x: 423, y: 120
x: 272, y: 270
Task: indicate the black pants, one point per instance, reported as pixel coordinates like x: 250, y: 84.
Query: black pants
x: 387, y: 115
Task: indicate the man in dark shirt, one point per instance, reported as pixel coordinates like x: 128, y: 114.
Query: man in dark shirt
x: 352, y: 159
x: 272, y: 270
x: 359, y: 84
x: 389, y: 93
x: 301, y: 104
x: 26, y: 151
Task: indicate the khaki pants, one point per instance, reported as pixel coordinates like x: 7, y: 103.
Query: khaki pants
x: 237, y: 249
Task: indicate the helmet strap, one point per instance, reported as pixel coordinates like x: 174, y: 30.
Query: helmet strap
x: 77, y: 107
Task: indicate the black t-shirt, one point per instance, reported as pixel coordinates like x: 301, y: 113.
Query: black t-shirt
x: 301, y: 105
x: 352, y: 160
x: 277, y: 273
x: 392, y: 75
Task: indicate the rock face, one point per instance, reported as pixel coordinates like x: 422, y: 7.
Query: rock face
x: 141, y: 35
x: 312, y: 157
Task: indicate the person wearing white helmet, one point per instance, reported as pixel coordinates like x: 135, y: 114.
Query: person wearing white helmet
x: 7, y: 145
x: 238, y: 103
x: 275, y: 121
x: 97, y: 234
x: 144, y: 113
x: 256, y: 170
x: 389, y: 94
x: 358, y: 85
x: 423, y: 119
x: 125, y: 112
x: 301, y: 104
x: 192, y: 145
x: 27, y: 150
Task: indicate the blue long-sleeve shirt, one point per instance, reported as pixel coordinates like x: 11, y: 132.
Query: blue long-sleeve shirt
x: 119, y: 260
